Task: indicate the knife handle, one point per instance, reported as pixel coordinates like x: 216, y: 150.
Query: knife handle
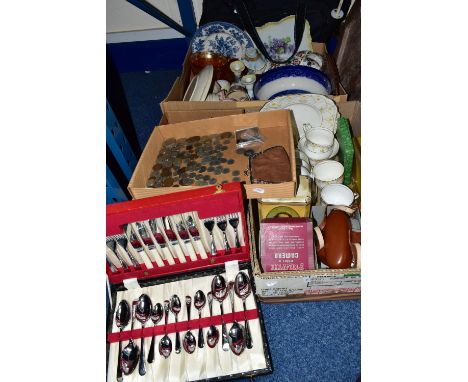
x: 157, y: 257
x: 168, y: 255
x: 190, y: 250
x: 200, y: 249
x: 179, y: 253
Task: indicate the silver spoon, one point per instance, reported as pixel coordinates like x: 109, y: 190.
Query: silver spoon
x: 212, y: 336
x: 243, y: 288
x: 199, y: 301
x: 175, y: 307
x: 129, y: 357
x: 189, y: 342
x: 122, y: 317
x: 219, y: 290
x: 156, y: 316
x: 143, y: 313
x: 165, y: 345
x: 237, y: 332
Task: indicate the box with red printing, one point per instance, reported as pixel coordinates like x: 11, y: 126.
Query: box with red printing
x: 287, y: 244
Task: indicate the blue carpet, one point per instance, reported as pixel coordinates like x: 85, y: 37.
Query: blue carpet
x: 144, y: 93
x: 309, y: 341
x: 314, y: 341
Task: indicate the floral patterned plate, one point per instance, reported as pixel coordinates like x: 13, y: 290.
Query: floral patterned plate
x: 310, y: 110
x: 278, y: 38
x: 222, y: 38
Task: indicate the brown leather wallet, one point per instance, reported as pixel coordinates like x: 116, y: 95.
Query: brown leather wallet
x: 270, y: 166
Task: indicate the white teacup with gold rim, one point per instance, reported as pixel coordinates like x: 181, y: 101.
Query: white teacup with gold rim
x: 317, y: 144
x: 327, y: 172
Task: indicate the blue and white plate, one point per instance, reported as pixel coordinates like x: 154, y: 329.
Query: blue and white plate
x: 291, y: 80
x: 222, y: 38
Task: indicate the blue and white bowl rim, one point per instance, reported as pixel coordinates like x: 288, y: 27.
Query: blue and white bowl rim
x: 293, y: 71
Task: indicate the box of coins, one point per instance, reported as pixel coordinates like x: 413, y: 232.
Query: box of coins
x: 194, y: 154
x: 182, y: 299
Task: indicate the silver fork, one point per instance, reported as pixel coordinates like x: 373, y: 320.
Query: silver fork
x: 221, y: 222
x: 234, y: 223
x: 209, y: 224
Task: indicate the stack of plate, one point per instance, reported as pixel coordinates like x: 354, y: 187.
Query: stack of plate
x: 310, y: 111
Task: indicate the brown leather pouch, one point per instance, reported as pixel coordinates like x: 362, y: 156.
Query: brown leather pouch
x: 270, y: 166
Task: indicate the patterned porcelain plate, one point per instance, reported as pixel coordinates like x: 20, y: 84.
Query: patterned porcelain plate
x: 222, y: 38
x: 310, y: 110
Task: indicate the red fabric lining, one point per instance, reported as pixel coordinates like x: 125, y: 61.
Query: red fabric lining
x: 182, y: 326
x: 206, y: 200
x: 178, y: 267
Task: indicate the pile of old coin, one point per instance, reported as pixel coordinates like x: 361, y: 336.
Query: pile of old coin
x: 195, y: 161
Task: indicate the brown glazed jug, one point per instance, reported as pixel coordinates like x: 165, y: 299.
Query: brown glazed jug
x: 336, y: 252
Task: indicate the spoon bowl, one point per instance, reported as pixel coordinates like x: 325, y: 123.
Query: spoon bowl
x: 242, y: 286
x: 129, y: 357
x: 219, y: 288
x: 122, y: 315
x: 165, y: 346
x: 237, y: 338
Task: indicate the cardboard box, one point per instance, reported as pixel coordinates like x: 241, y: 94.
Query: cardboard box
x: 275, y: 126
x: 312, y: 285
x: 177, y: 110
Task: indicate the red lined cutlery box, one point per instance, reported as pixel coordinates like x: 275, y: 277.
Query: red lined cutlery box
x: 175, y: 245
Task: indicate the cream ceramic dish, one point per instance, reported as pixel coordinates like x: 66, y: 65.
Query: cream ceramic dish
x: 337, y: 195
x: 327, y: 172
x: 200, y: 85
x: 278, y: 38
x: 309, y: 110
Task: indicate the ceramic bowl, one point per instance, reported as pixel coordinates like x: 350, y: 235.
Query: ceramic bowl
x: 319, y: 140
x: 291, y: 79
x: 328, y: 172
x: 220, y: 64
x: 336, y: 195
x: 221, y: 85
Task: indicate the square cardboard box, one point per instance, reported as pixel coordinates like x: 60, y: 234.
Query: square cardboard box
x: 176, y: 110
x: 275, y: 126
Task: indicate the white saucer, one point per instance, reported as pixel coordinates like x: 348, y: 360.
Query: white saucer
x: 200, y: 85
x: 336, y: 148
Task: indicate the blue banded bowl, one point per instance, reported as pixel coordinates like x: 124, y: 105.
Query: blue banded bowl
x: 291, y: 79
